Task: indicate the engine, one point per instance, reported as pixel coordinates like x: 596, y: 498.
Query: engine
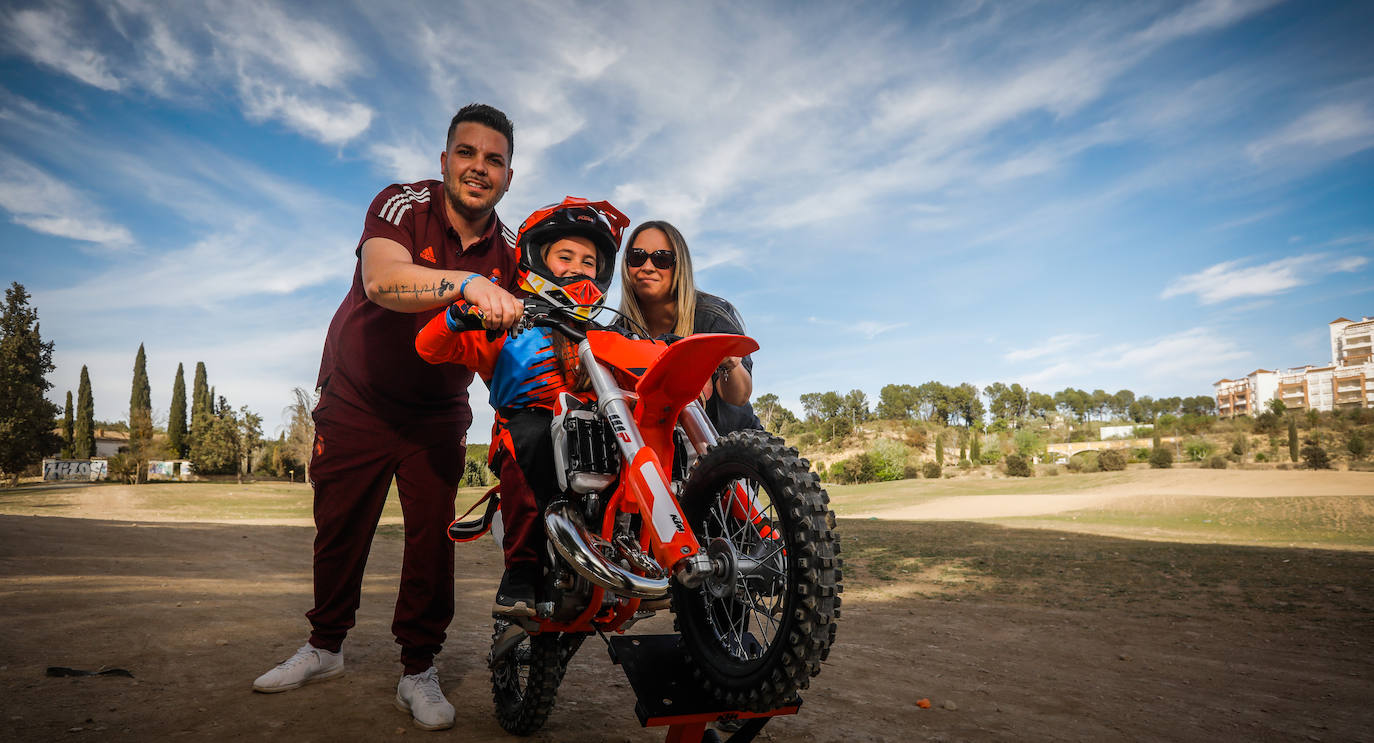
x: 586, y: 458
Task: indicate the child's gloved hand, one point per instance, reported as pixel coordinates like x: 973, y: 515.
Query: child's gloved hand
x: 463, y: 316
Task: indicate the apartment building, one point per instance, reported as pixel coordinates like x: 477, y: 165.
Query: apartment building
x: 1347, y: 382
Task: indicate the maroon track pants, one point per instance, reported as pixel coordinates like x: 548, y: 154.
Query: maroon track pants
x: 352, y: 469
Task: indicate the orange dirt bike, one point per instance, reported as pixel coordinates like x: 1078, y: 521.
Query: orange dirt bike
x: 733, y: 534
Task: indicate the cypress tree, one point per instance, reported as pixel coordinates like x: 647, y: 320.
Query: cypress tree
x: 140, y: 414
x: 67, y: 434
x: 940, y: 449
x: 200, y: 412
x: 176, y: 417
x: 1293, y: 439
x: 974, y: 450
x: 200, y: 392
x: 84, y: 432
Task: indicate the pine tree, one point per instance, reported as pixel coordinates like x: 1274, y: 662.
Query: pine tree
x: 176, y: 417
x: 84, y: 432
x: 1293, y: 439
x: 141, y: 415
x: 27, y: 417
x: 67, y: 428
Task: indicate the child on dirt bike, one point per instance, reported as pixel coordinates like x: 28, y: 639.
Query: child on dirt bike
x: 567, y: 254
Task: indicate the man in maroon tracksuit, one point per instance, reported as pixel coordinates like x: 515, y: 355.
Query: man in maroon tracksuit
x: 385, y: 413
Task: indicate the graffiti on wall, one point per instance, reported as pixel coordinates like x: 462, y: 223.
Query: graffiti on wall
x: 176, y: 469
x: 88, y: 470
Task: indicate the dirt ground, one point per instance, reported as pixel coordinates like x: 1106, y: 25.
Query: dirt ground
x: 1097, y: 638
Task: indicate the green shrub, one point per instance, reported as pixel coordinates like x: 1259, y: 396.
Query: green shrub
x: 1198, y: 450
x: 1217, y: 462
x: 889, y: 459
x: 121, y: 468
x: 807, y: 440
x: 1355, y: 445
x: 1314, y: 457
x: 1239, y: 446
x: 1140, y: 454
x: 1028, y: 443
x: 965, y: 464
x: 1111, y: 461
x: 991, y: 456
x: 1084, y: 461
x: 1018, y: 466
x: 1162, y: 458
x: 857, y: 469
x: 1261, y: 457
x: 931, y: 471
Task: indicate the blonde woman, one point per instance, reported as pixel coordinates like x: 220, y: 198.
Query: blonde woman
x: 659, y: 295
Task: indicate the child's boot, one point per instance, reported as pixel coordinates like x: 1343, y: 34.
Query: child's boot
x: 515, y: 597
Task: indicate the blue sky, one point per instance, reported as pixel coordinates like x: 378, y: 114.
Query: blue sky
x: 1148, y: 195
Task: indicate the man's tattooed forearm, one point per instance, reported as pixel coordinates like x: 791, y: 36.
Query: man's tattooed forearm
x: 437, y: 291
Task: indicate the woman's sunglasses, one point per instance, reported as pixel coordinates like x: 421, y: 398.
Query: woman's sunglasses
x: 663, y: 259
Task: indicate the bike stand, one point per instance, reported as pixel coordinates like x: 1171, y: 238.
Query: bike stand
x: 666, y: 694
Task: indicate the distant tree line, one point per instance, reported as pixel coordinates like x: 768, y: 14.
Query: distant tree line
x: 215, y: 437
x: 997, y: 407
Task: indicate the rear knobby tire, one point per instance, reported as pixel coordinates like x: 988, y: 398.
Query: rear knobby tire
x: 524, y: 685
x: 756, y: 646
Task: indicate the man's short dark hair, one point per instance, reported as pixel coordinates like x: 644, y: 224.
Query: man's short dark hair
x: 488, y: 116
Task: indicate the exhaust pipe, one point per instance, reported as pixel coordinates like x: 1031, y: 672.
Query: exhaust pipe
x: 572, y: 540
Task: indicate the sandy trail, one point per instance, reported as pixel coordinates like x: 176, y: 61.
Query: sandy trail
x: 1172, y: 483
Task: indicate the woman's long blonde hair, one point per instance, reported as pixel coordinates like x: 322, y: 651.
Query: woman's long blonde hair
x: 684, y: 287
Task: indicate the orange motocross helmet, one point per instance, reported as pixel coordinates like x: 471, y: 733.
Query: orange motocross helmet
x: 597, y: 221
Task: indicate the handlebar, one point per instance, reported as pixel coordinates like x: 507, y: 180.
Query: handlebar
x: 539, y: 313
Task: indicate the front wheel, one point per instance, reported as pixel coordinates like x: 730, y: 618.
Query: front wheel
x: 524, y: 681
x: 758, y: 629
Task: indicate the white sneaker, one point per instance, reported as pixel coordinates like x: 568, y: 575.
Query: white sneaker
x: 420, y: 695
x: 308, y: 664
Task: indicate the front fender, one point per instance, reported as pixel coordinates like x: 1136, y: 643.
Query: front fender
x: 678, y: 375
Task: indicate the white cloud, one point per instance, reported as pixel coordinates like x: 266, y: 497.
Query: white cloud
x: 869, y: 329
x: 219, y: 269
x: 1341, y: 128
x: 1196, y: 355
x: 331, y: 122
x: 1230, y: 279
x: 1207, y: 15
x: 715, y: 257
x: 1054, y: 345
x: 45, y: 204
x: 263, y: 39
x: 406, y: 163
x: 51, y: 38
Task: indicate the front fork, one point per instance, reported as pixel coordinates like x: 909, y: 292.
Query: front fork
x: 672, y: 542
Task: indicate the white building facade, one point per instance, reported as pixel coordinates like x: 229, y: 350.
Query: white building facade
x: 1348, y: 382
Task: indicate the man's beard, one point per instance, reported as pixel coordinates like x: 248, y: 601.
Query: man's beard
x: 455, y: 202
